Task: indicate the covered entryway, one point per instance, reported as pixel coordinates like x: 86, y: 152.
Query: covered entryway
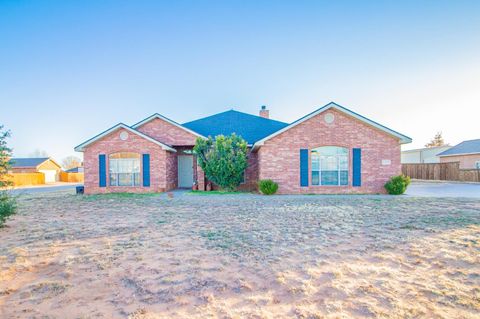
x: 185, y: 171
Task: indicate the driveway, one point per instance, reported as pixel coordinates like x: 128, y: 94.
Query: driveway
x: 443, y: 189
x: 47, y: 188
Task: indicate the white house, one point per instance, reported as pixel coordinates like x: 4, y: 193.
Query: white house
x: 423, y: 155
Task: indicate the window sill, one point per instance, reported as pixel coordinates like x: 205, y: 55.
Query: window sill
x: 330, y: 185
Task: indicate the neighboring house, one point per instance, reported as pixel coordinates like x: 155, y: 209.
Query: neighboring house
x: 423, y: 155
x: 331, y: 150
x: 44, y: 165
x: 467, y: 153
x: 75, y: 170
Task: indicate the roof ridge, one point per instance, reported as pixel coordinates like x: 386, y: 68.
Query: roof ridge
x: 402, y: 138
x: 236, y: 111
x: 475, y: 139
x: 30, y: 157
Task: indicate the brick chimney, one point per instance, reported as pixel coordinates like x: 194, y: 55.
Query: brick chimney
x: 264, y: 112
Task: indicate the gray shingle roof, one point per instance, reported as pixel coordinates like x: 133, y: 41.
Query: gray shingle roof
x: 250, y: 127
x: 466, y: 147
x: 27, y: 162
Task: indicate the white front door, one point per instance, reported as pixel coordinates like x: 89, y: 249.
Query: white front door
x: 185, y: 171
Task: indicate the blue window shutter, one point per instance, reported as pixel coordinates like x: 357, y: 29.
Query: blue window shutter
x: 357, y: 167
x: 102, y: 170
x: 304, y: 167
x: 146, y: 169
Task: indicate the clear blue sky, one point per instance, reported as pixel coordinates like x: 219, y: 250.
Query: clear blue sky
x: 70, y: 69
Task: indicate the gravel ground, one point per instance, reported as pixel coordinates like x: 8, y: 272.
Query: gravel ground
x: 236, y: 256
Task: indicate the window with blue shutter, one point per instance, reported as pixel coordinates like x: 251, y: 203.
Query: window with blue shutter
x: 102, y: 170
x: 357, y: 167
x: 304, y: 167
x: 146, y: 170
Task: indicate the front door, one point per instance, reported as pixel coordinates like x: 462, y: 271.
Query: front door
x: 185, y: 171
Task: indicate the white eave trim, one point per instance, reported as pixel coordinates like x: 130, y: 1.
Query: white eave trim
x: 161, y: 117
x: 81, y: 147
x: 402, y: 138
x: 458, y: 154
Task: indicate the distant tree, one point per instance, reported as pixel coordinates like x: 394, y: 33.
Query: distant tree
x: 223, y: 159
x: 437, y: 140
x: 5, y: 156
x: 38, y: 153
x: 71, y: 162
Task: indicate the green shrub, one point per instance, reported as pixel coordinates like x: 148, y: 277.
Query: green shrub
x: 267, y: 186
x: 223, y: 159
x: 7, y: 207
x: 397, y: 184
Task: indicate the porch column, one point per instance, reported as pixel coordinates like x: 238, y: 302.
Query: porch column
x: 200, y: 178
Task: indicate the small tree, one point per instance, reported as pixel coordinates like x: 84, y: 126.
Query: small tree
x: 223, y: 159
x: 437, y: 140
x: 7, y: 203
x: 71, y: 162
x: 5, y: 156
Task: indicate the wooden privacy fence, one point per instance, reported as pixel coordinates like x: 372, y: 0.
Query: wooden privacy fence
x: 22, y: 179
x: 71, y: 177
x: 441, y: 172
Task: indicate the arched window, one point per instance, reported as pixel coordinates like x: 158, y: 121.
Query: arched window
x: 124, y: 169
x: 330, y: 166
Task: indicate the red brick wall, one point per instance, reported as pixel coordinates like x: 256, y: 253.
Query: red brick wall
x: 251, y: 173
x: 200, y: 177
x: 466, y: 161
x: 171, y: 171
x: 279, y: 157
x: 113, y: 144
x: 167, y: 133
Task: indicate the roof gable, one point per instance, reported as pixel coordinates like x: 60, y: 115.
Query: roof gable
x: 464, y: 148
x: 250, y: 127
x: 161, y: 117
x: 81, y: 147
x: 332, y: 105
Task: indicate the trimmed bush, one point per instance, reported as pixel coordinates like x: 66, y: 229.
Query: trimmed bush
x: 267, y: 186
x: 7, y: 207
x: 397, y: 185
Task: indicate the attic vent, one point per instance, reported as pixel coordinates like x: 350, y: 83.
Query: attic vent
x: 329, y: 118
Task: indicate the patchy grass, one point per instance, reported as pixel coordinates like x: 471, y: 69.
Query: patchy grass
x: 119, y: 196
x: 149, y: 256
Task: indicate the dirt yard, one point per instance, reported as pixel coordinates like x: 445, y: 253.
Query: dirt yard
x: 240, y: 256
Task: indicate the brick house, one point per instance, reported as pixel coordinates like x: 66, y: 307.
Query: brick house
x: 467, y: 153
x: 331, y: 150
x: 45, y: 165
